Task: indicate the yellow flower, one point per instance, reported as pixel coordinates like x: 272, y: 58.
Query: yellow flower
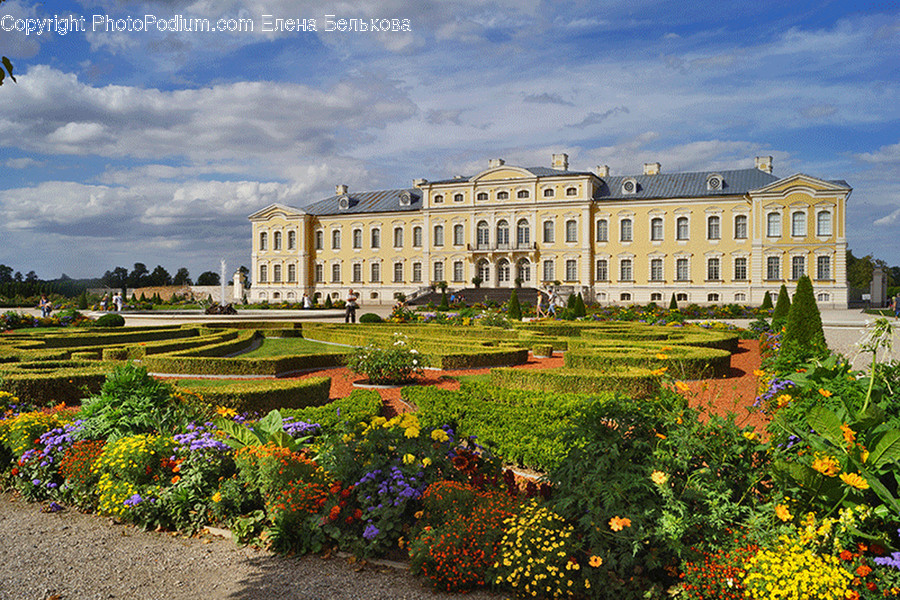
x: 662, y: 356
x: 439, y: 435
x: 784, y: 399
x: 855, y: 480
x: 750, y: 435
x: 659, y: 478
x: 759, y: 372
x: 217, y: 497
x: 849, y: 434
x: 408, y: 459
x: 618, y: 523
x: 825, y: 392
x: 595, y: 561
x: 826, y: 465
x: 412, y: 432
x: 659, y: 371
x: 682, y: 386
x: 426, y: 461
x: 226, y: 412
x: 782, y: 512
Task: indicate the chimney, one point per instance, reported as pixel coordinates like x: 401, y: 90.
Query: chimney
x: 496, y: 162
x: 561, y: 162
x: 602, y: 170
x: 652, y: 168
x: 764, y: 163
x: 340, y: 189
x: 417, y: 183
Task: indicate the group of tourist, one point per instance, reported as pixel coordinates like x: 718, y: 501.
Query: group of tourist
x: 117, y: 302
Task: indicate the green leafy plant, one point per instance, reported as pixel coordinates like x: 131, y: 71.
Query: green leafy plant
x: 514, y: 309
x: 767, y: 301
x: 387, y: 364
x: 268, y: 430
x: 782, y: 308
x: 110, y: 320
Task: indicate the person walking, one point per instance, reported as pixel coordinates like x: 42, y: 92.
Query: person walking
x: 552, y: 300
x: 104, y: 303
x: 307, y: 303
x: 352, y: 305
x: 117, y: 300
x: 45, y: 306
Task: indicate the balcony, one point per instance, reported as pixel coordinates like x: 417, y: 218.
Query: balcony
x: 501, y: 248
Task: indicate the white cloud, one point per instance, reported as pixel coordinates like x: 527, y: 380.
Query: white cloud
x: 890, y: 219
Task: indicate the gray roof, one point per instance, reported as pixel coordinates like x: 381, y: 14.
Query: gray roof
x: 536, y: 171
x: 367, y: 202
x: 684, y: 185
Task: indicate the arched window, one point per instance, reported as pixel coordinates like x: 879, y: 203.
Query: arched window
x: 503, y: 271
x: 459, y: 237
x: 484, y: 270
x: 481, y: 196
x: 398, y: 237
x: 625, y: 230
x: 626, y: 273
x: 682, y: 228
x: 713, y: 228
x: 263, y: 241
x: 602, y: 269
x: 740, y: 227
x: 773, y: 224
x: 376, y: 238
x: 602, y: 230
x: 276, y: 241
x: 798, y: 224
x: 523, y: 233
x: 319, y: 239
x: 571, y: 230
x: 483, y: 235
x: 502, y: 195
x: 417, y: 236
x: 439, y: 198
x: 548, y: 232
x: 457, y: 197
x: 336, y: 239
x: 571, y: 191
x: 823, y: 223
x: 656, y: 229
x: 502, y: 233
x: 523, y: 270
x: 292, y: 240
x: 276, y: 273
x: 522, y: 194
x: 438, y: 235
x: 549, y: 192
x: 357, y: 238
x: 263, y: 273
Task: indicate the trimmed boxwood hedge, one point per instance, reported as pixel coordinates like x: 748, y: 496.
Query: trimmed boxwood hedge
x: 271, y: 367
x: 48, y: 388
x: 359, y: 406
x: 687, y: 362
x: 633, y: 381
x: 262, y: 396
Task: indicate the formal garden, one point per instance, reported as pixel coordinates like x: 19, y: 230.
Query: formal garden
x: 598, y: 477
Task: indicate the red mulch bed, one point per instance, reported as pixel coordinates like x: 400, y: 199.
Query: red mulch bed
x: 734, y: 392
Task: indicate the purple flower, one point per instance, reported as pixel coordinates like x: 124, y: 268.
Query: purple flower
x: 35, y: 482
x: 134, y: 500
x: 370, y: 532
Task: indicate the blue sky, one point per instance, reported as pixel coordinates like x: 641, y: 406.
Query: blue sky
x: 154, y: 146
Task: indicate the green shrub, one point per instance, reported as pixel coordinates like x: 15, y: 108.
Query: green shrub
x: 804, y: 323
x: 579, y: 308
x: 514, y: 311
x: 260, y: 395
x: 767, y: 301
x: 328, y: 302
x: 782, y: 308
x: 87, y: 355
x: 542, y: 350
x: 66, y: 385
x: 633, y: 381
x: 370, y: 318
x: 359, y: 406
x: 673, y: 304
x: 110, y: 320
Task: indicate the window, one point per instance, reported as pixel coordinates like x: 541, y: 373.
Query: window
x: 438, y: 271
x: 773, y: 225
x: 356, y: 273
x: 522, y: 194
x: 503, y: 271
x: 276, y: 241
x: 625, y: 230
x: 483, y: 235
x: 681, y: 297
x: 263, y: 241
x: 571, y: 191
x: 549, y: 192
x: 523, y: 233
x: 320, y: 273
x: 549, y: 271
x: 773, y: 267
x: 398, y: 272
x: 713, y: 227
x: 484, y: 270
x: 571, y: 270
x: 682, y: 228
x: 656, y: 269
x: 740, y: 227
x: 548, y: 232
x: 376, y: 238
x: 417, y: 272
x: 263, y: 273
x: 798, y: 224
x: 457, y: 197
x: 502, y: 233
x: 481, y: 196
x: 602, y: 269
x: 320, y: 239
x: 292, y: 273
x: 336, y: 239
x: 713, y: 269
x: 656, y: 297
x: 823, y: 297
x: 656, y: 229
x: 439, y: 199
x: 740, y: 269
x: 571, y: 230
x: 276, y: 273
x: 740, y: 297
x: 375, y: 272
x: 336, y: 273
x: 682, y: 269
x: 438, y: 235
x: 625, y: 270
x: 798, y: 267
x: 292, y: 240
x: 602, y: 230
x: 357, y: 238
x: 458, y: 271
x: 823, y: 267
x: 417, y: 237
x: 398, y: 237
x: 823, y: 223
x: 502, y: 195
x: 625, y: 297
x: 523, y: 270
x: 712, y: 297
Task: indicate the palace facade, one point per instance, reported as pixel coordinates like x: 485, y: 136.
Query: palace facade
x: 710, y: 237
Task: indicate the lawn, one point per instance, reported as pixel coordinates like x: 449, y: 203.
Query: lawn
x: 273, y: 347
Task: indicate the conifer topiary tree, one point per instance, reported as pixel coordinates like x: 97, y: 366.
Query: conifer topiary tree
x: 804, y: 331
x: 514, y: 310
x: 445, y: 303
x: 767, y: 301
x: 83, y: 301
x: 570, y: 303
x: 673, y: 304
x: 782, y: 308
x: 580, y: 309
x: 328, y: 303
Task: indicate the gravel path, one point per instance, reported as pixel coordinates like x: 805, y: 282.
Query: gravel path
x: 72, y: 556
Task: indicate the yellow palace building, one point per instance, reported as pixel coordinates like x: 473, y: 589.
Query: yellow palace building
x: 709, y: 237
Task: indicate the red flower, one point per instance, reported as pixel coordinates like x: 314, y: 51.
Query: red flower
x: 846, y: 555
x: 871, y: 586
x: 863, y: 570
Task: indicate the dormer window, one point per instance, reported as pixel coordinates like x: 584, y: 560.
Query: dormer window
x: 344, y: 202
x: 715, y: 182
x: 481, y: 196
x: 571, y: 191
x: 522, y: 194
x: 405, y: 198
x: 629, y: 186
x: 549, y: 192
x: 457, y: 197
x: 438, y: 199
x: 502, y: 195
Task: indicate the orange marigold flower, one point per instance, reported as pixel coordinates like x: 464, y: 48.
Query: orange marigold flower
x: 659, y: 371
x: 846, y: 555
x: 618, y: 523
x: 825, y: 392
x: 855, y: 480
x: 662, y: 356
x: 784, y: 399
x: 782, y: 512
x: 682, y: 386
x: 595, y: 561
x: 658, y: 477
x: 759, y: 372
x: 826, y: 465
x: 863, y: 570
x: 176, y: 479
x: 849, y: 434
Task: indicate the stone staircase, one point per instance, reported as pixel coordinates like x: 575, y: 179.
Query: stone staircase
x: 478, y: 295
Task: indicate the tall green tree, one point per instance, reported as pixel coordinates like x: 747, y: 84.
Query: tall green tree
x: 782, y: 308
x: 514, y: 310
x: 803, y: 332
x: 182, y: 277
x: 767, y: 301
x: 209, y: 278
